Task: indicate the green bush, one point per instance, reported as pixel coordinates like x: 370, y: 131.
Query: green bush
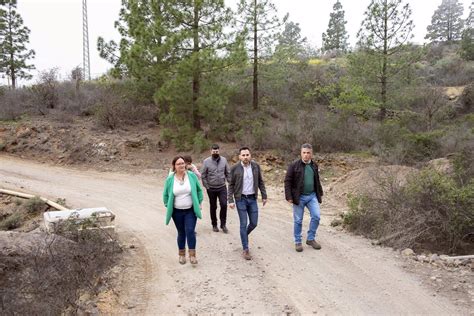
x: 200, y: 143
x: 467, y: 44
x: 467, y: 99
x: 34, y: 205
x: 396, y: 144
x: 431, y: 211
x: 422, y: 146
x: 12, y: 221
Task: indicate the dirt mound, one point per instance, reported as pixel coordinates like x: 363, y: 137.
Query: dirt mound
x: 365, y: 179
x: 81, y: 142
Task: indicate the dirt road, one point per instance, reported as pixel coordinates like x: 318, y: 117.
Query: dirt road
x: 348, y: 276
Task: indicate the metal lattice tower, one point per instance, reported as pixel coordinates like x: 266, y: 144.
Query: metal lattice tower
x: 86, y: 68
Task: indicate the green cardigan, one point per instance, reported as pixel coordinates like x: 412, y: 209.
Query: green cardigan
x: 196, y: 195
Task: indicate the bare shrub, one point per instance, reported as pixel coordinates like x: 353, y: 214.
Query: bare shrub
x: 429, y: 212
x: 14, y: 103
x: 49, y: 279
x: 452, y: 70
x: 126, y: 103
x: 328, y: 132
x: 467, y: 99
x: 45, y: 91
x: 430, y: 102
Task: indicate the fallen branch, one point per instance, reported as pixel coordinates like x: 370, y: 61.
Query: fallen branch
x: 30, y: 196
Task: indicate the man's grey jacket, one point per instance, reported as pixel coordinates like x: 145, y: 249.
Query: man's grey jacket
x: 237, y: 179
x: 214, y: 173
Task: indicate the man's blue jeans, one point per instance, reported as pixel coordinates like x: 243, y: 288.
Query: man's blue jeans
x: 185, y: 221
x: 311, y: 202
x: 247, y: 208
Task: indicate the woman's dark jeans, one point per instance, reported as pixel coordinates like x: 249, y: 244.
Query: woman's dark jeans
x: 185, y: 221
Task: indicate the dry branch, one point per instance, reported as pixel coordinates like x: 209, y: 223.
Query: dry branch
x: 30, y: 196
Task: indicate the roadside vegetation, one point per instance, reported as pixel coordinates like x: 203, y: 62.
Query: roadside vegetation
x: 47, y: 274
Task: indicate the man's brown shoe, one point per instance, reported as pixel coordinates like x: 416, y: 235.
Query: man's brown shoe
x: 299, y: 247
x: 314, y: 244
x: 224, y: 229
x: 214, y: 228
x: 246, y: 255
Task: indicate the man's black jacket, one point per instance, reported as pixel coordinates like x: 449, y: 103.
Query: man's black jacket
x: 294, y: 181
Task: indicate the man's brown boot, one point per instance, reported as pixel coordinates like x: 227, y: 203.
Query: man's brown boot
x: 192, y: 256
x: 182, y: 256
x: 246, y: 255
x: 299, y: 247
x: 314, y: 244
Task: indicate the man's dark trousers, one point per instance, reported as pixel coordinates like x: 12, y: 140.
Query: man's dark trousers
x: 214, y: 194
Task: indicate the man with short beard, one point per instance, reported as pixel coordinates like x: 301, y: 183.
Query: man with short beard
x: 245, y: 181
x: 214, y: 174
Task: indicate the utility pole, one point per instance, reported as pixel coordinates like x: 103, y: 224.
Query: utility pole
x: 85, y: 43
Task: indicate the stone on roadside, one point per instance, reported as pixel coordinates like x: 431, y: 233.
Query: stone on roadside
x: 408, y: 252
x: 434, y: 257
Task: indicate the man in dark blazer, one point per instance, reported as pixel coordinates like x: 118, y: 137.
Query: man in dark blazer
x: 245, y: 181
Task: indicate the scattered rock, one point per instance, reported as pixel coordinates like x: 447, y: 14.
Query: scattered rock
x: 407, y: 252
x: 336, y: 222
x: 434, y: 257
x: 23, y: 132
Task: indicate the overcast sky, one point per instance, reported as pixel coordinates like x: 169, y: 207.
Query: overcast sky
x: 56, y: 26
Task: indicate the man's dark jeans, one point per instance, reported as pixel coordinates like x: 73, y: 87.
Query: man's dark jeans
x: 185, y: 221
x: 220, y: 194
x: 247, y: 207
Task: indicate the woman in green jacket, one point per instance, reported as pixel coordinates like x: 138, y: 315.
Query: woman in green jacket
x: 183, y: 197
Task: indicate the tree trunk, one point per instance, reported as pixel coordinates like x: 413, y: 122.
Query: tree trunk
x: 255, y: 58
x: 383, y: 78
x: 12, y: 56
x: 196, y: 73
x: 13, y: 81
x: 12, y: 71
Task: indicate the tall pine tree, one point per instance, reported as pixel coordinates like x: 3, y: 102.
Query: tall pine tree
x: 14, y: 36
x: 386, y: 29
x: 143, y: 52
x: 290, y: 42
x: 467, y: 39
x: 470, y: 17
x: 447, y: 23
x: 202, y: 50
x: 260, y: 20
x: 335, y: 38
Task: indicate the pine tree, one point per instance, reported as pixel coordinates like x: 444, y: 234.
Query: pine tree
x: 336, y: 36
x: 384, y: 32
x: 143, y: 51
x: 260, y: 20
x: 13, y: 39
x: 202, y: 50
x: 447, y: 23
x: 290, y: 42
x: 470, y: 18
x: 467, y: 39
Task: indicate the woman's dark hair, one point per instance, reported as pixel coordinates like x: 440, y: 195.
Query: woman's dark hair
x: 173, y: 163
x: 187, y: 159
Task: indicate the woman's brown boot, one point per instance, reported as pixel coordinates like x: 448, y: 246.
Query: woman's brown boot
x: 192, y: 256
x: 182, y: 256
